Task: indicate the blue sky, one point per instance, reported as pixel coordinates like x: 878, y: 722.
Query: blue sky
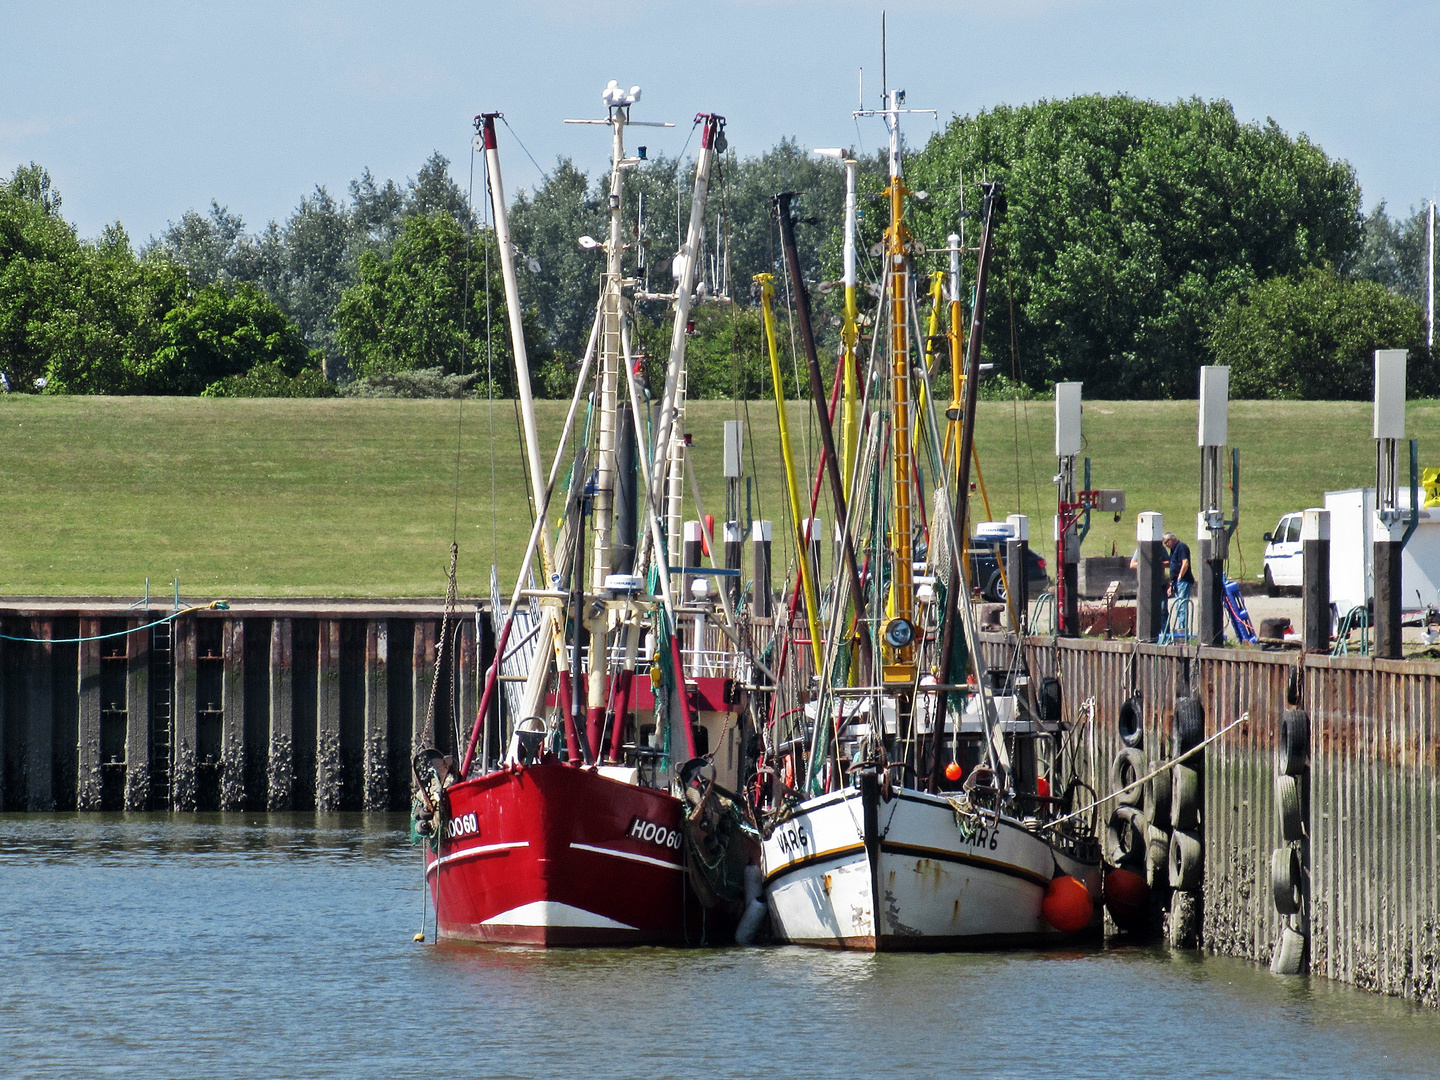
x: 144, y: 110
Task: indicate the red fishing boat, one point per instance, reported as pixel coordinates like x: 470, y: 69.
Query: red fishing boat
x: 596, y: 810
x: 550, y: 854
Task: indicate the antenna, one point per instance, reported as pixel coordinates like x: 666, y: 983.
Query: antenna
x: 861, y: 99
x: 884, y: 60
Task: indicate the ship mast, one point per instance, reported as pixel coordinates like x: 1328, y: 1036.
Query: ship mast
x: 899, y: 634
x: 596, y: 614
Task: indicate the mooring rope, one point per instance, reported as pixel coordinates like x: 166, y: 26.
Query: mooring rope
x: 1153, y: 773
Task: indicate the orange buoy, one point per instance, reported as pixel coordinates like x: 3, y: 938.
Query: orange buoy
x: 1067, y: 905
x: 705, y: 536
x: 1127, y: 898
x: 953, y: 771
x: 1042, y: 788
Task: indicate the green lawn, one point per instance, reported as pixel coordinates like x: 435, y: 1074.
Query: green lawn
x: 357, y: 497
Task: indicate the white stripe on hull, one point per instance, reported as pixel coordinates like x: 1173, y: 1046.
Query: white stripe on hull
x: 935, y: 887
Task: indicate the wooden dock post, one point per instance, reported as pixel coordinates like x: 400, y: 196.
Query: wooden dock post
x: 137, y: 716
x: 39, y: 745
x: 280, y: 773
x: 377, y: 716
x: 185, y: 737
x: 465, y: 655
x: 87, y: 778
x: 327, y: 719
x: 422, y: 678
x: 232, y: 698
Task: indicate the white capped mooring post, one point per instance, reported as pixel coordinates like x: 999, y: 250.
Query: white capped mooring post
x: 1389, y: 428
x: 761, y: 597
x: 1315, y: 551
x: 733, y: 461
x: 1211, y: 529
x: 1017, y: 572
x: 1067, y: 539
x: 1149, y: 576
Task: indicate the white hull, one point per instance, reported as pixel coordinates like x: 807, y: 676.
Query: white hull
x: 912, y: 879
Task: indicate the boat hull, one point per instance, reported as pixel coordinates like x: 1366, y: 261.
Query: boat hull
x: 855, y: 871
x: 552, y: 855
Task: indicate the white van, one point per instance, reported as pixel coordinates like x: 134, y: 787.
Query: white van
x: 1284, y: 557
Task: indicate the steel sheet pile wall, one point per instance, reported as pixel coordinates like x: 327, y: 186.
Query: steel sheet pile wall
x: 324, y: 725
x: 1373, y: 823
x: 1241, y: 827
x: 1373, y: 818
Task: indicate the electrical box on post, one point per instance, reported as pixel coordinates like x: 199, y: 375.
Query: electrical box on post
x: 1389, y: 393
x: 1214, y: 405
x: 1108, y: 500
x: 734, y: 446
x: 1067, y: 419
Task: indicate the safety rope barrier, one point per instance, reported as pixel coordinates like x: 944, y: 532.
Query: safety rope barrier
x: 214, y: 605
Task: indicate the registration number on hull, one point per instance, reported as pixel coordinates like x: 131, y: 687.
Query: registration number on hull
x: 650, y: 832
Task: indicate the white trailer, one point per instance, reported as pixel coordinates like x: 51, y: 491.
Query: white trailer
x: 1352, y: 552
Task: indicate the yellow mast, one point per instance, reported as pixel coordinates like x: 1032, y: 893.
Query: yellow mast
x: 900, y: 629
x: 807, y: 582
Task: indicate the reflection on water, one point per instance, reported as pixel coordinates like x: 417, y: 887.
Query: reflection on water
x: 279, y: 945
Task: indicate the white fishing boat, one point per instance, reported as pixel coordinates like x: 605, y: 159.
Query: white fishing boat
x: 912, y: 804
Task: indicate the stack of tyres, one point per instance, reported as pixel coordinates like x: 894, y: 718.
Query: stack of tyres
x: 1185, y: 862
x: 1128, y: 829
x: 1289, y: 862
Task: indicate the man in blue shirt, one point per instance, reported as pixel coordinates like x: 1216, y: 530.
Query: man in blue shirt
x: 1181, y: 580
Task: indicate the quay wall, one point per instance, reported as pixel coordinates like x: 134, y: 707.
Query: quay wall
x: 1370, y: 809
x: 269, y: 705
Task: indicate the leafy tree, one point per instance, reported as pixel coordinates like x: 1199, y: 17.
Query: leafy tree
x: 1392, y: 252
x: 432, y: 189
x: 207, y: 245
x: 220, y: 332
x: 409, y: 309
x: 545, y: 225
x: 74, y: 317
x: 726, y: 355
x: 1130, y: 225
x: 1313, y: 335
x: 270, y: 380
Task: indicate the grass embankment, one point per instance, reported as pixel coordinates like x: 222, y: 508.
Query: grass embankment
x: 356, y: 497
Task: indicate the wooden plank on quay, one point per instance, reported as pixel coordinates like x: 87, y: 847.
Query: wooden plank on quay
x: 377, y: 715
x: 280, y: 771
x: 232, y: 729
x: 87, y: 780
x: 327, y: 719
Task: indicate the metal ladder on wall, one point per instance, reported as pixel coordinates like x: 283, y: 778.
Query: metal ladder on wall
x: 162, y: 713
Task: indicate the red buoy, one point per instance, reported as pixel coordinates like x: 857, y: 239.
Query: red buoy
x: 708, y: 532
x: 1042, y: 788
x: 1067, y: 905
x: 953, y: 771
x: 1127, y: 898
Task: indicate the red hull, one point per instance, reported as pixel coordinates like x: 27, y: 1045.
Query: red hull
x: 555, y: 855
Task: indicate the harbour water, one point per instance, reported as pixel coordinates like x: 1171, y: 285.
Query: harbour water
x: 253, y: 945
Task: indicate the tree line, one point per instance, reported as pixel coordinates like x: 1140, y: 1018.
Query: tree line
x: 1135, y: 242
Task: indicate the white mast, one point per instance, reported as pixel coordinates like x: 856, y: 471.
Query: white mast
x: 486, y: 122
x: 670, y: 462
x: 1430, y: 277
